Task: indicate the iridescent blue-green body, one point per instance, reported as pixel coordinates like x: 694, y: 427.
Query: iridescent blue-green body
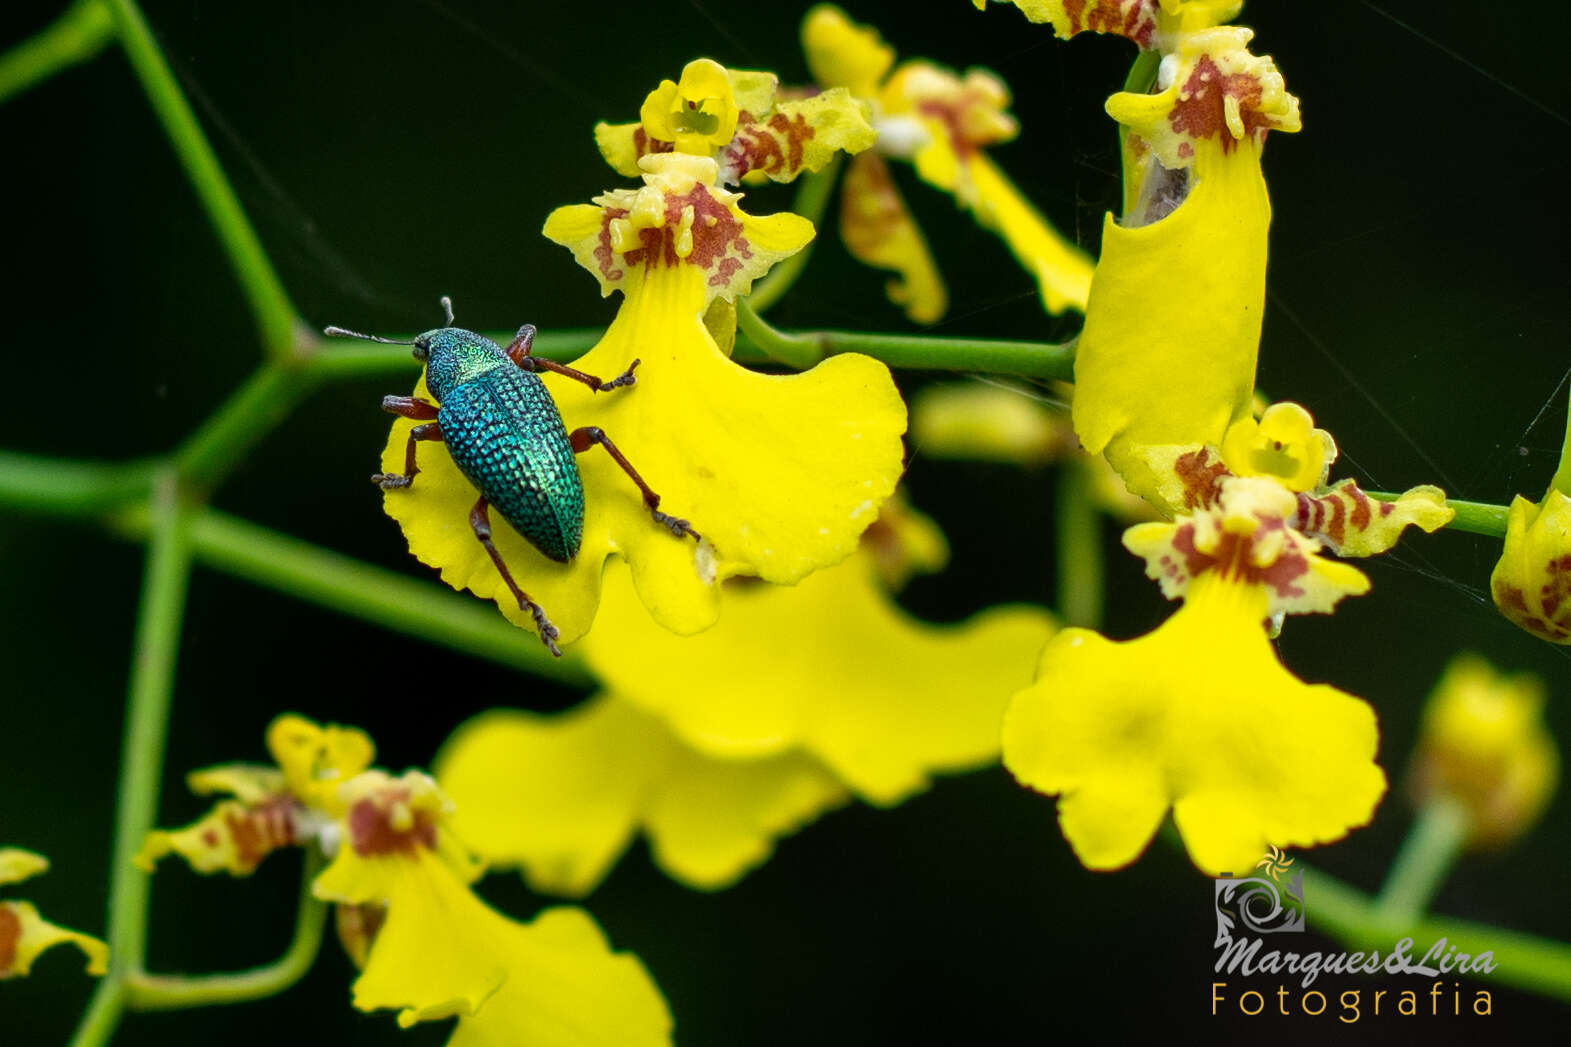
x: 506, y: 435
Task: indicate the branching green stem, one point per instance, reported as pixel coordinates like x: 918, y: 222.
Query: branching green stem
x: 811, y: 201
x: 71, y: 488
x: 158, y: 992
x: 142, y: 754
x: 921, y: 352
x: 1522, y: 961
x: 275, y: 317
x: 340, y: 583
x: 77, y: 35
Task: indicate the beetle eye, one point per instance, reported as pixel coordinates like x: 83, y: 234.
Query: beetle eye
x: 421, y: 350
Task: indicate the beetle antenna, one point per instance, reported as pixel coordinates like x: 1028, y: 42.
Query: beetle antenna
x: 447, y: 307
x: 343, y: 332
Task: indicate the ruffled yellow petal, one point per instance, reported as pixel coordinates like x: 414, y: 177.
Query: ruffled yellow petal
x: 24, y: 934
x: 794, y: 136
x: 698, y: 114
x: 1353, y: 524
x: 780, y: 474
x: 831, y: 667
x: 233, y: 837
x: 1167, y: 356
x: 317, y: 760
x: 592, y: 777
x: 17, y: 865
x: 623, y: 144
x: 250, y: 783
x: 567, y: 988
x: 1484, y: 744
x: 1199, y: 715
x: 1532, y: 580
x: 879, y: 231
x: 841, y: 53
x: 1247, y: 534
x: 439, y: 952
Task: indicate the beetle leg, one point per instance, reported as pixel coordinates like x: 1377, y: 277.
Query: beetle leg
x: 599, y: 385
x: 480, y: 520
x: 518, y: 349
x: 423, y: 431
x: 418, y: 408
x: 588, y: 436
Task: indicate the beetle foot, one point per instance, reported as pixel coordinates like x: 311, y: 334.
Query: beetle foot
x: 391, y: 481
x: 627, y: 377
x: 548, y: 632
x: 678, y: 526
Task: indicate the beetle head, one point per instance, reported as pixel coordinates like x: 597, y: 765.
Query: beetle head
x: 453, y: 356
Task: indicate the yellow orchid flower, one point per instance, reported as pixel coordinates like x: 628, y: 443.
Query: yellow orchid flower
x: 1167, y: 356
x: 1200, y: 716
x: 942, y: 123
x: 778, y: 473
x: 1484, y: 744
x: 1532, y: 580
x: 1151, y: 24
x: 428, y: 945
x: 716, y: 745
x: 24, y: 933
x: 737, y: 118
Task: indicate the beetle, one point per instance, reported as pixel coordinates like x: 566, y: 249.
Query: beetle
x: 506, y: 435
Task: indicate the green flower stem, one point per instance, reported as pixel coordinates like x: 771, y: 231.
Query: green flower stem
x: 254, y: 410
x: 340, y: 583
x: 269, y: 302
x: 102, y: 1016
x: 71, y: 488
x: 1472, y: 517
x: 811, y: 201
x: 346, y: 359
x: 142, y: 755
x: 1522, y: 961
x: 1079, y: 562
x: 77, y: 35
x: 1421, y: 866
x: 1562, y: 478
x: 156, y: 992
x: 920, y: 352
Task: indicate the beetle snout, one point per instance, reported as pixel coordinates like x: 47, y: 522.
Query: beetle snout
x: 421, y: 349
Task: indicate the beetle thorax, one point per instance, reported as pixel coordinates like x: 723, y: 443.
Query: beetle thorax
x: 454, y: 356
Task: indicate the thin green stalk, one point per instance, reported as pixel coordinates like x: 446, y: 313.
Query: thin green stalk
x: 270, y: 305
x: 103, y: 1013
x: 922, y: 352
x: 811, y: 201
x: 158, y: 992
x: 1421, y: 866
x: 142, y: 754
x: 77, y: 35
x: 1562, y: 478
x: 341, y: 583
x: 71, y: 488
x: 1472, y: 517
x: 1080, y: 553
x: 255, y: 409
x: 1522, y: 961
x: 346, y: 359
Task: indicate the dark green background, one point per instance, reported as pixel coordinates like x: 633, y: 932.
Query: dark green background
x: 1418, y: 286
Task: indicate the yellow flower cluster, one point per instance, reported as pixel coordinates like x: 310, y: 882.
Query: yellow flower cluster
x: 435, y: 949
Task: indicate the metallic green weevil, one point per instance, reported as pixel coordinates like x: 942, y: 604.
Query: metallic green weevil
x: 506, y: 436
